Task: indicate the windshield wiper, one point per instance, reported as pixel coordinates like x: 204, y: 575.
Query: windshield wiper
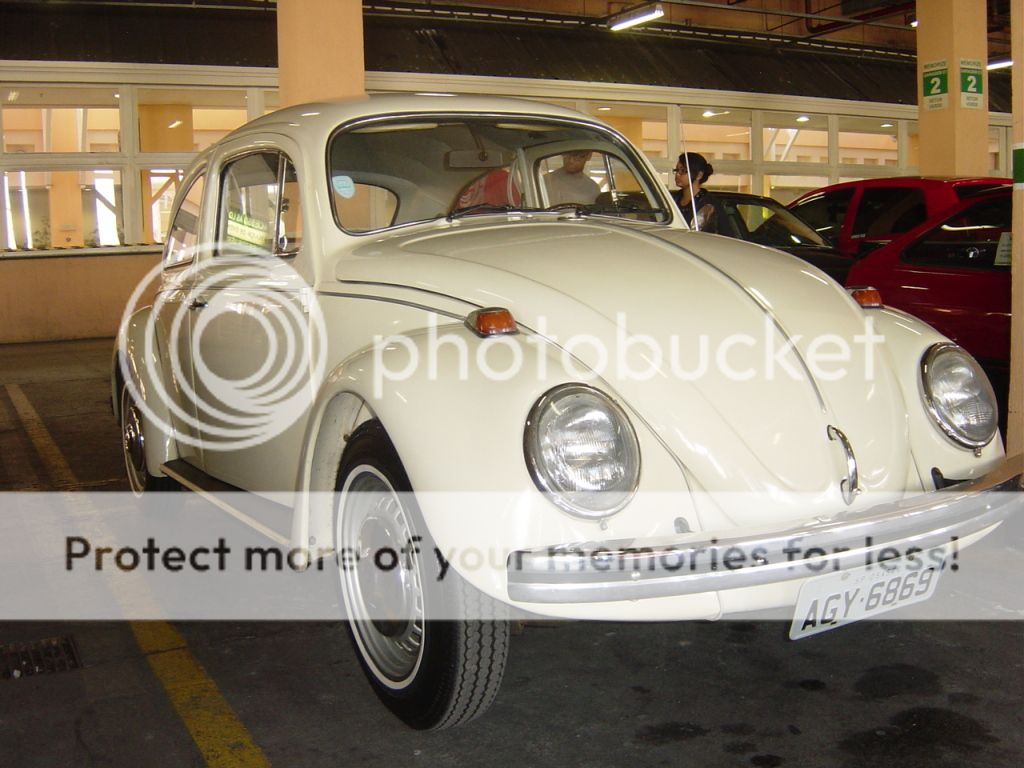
x: 469, y: 210
x: 615, y: 210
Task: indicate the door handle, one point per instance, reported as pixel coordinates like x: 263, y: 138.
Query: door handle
x: 197, y: 304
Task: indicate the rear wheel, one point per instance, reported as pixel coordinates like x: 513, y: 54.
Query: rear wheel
x: 133, y: 446
x: 433, y: 674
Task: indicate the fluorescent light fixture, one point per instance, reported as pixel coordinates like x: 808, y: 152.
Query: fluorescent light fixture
x: 175, y: 124
x: 604, y: 109
x: 1000, y: 64
x: 913, y: 23
x: 641, y: 14
x: 887, y: 125
x: 713, y: 113
x: 117, y: 95
x: 803, y: 119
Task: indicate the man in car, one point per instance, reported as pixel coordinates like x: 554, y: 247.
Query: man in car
x: 569, y: 184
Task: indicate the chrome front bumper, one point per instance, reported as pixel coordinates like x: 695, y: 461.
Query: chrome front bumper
x: 634, y: 569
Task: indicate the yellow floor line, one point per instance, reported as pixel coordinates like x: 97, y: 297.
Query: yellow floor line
x: 53, y: 459
x: 216, y: 730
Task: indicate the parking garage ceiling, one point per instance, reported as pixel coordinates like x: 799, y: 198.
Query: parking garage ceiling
x: 853, y: 50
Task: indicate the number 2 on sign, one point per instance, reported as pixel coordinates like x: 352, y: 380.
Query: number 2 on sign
x: 936, y: 86
x: 972, y: 83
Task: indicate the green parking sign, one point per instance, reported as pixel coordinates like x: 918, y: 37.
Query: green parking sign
x: 972, y: 84
x: 935, y: 85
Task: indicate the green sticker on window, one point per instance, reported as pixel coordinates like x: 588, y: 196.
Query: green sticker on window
x: 1018, y: 165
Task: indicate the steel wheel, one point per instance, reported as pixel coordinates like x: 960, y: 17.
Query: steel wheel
x: 386, y: 606
x: 432, y: 674
x: 133, y: 446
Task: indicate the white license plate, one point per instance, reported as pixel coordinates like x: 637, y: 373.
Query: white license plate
x: 836, y: 599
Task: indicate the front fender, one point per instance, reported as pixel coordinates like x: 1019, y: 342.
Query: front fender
x: 132, y: 364
x: 457, y: 423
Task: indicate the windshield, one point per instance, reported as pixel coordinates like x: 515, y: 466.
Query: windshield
x: 395, y: 172
x: 764, y: 221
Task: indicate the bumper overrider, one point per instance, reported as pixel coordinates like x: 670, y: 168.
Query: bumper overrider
x: 634, y: 569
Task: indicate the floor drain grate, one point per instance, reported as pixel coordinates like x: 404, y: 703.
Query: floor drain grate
x: 57, y: 654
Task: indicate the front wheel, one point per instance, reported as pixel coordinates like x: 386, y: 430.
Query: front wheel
x: 133, y: 446
x: 433, y: 674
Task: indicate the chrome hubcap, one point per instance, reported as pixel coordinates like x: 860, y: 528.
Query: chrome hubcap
x: 134, y: 445
x: 382, y: 587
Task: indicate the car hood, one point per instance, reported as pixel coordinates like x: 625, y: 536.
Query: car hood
x: 632, y: 288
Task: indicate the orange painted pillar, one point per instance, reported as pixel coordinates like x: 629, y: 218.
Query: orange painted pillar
x: 320, y: 50
x: 952, y: 52
x: 65, y: 186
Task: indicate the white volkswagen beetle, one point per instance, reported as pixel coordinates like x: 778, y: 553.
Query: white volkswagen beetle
x: 480, y: 327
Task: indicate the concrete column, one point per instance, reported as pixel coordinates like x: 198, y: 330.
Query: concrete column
x: 1015, y: 422
x: 952, y: 51
x: 65, y: 186
x: 319, y: 50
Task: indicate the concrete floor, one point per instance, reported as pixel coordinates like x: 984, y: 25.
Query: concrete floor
x: 732, y: 693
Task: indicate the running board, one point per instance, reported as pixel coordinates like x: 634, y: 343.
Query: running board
x: 259, y: 513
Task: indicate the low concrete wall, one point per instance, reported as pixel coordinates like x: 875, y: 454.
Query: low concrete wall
x: 75, y: 297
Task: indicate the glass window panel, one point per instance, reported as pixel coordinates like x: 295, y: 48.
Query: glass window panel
x: 184, y: 233
x: 249, y: 209
x: 63, y: 209
x: 795, y: 137
x: 786, y: 189
x: 978, y: 238
x: 995, y: 146
x: 913, y: 144
x: 60, y: 119
x: 289, y: 230
x: 826, y: 211
x: 271, y: 101
x: 643, y: 124
x: 718, y: 134
x: 188, y: 120
x: 888, y: 210
x: 158, y: 187
x: 867, y: 141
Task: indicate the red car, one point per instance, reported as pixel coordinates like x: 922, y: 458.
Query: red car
x: 953, y: 272
x: 859, y: 216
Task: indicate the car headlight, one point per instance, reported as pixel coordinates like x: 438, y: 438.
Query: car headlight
x: 958, y: 395
x: 582, y: 451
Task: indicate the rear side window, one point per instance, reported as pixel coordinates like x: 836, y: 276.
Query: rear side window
x: 976, y: 238
x: 183, y: 234
x: 260, y: 209
x: 885, y: 211
x: 825, y: 212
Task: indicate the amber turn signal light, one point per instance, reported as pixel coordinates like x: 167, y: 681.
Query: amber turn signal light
x: 491, y: 321
x: 866, y: 296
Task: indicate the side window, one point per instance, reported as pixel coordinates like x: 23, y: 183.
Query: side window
x: 259, y: 206
x: 977, y: 238
x: 363, y: 207
x: 886, y: 211
x: 825, y: 212
x: 183, y: 234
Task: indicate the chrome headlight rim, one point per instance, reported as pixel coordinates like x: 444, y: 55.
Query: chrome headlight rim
x: 927, y: 361
x: 539, y: 476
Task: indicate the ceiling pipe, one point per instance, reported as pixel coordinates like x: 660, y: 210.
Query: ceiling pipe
x: 815, y: 30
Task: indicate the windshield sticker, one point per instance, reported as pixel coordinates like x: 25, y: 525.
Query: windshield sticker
x: 344, y: 186
x: 246, y: 229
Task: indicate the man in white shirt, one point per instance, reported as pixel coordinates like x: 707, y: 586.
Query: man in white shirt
x: 569, y: 184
